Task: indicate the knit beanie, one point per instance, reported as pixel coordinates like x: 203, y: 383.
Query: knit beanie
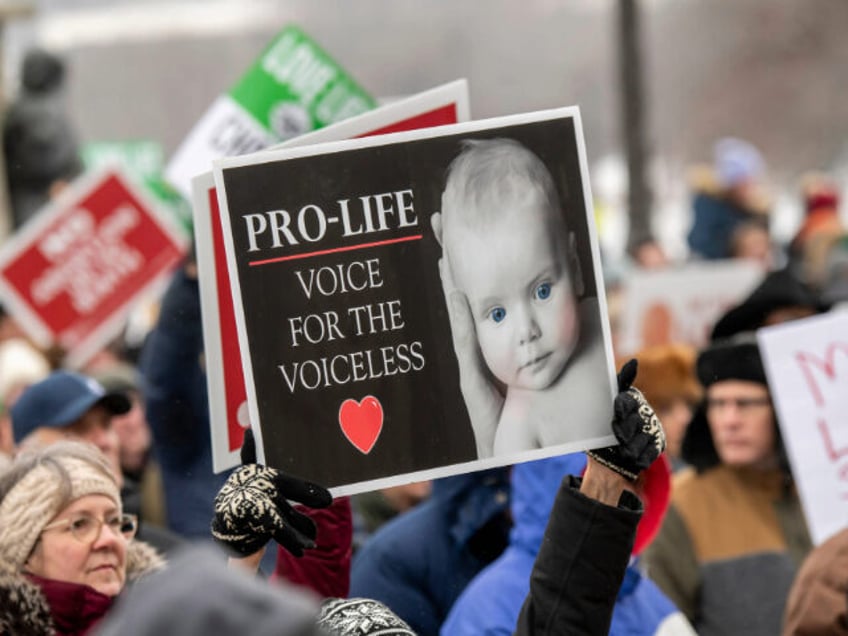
x: 360, y: 617
x: 39, y: 494
x: 737, y: 161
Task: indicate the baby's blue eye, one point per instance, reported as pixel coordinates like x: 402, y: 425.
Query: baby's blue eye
x: 497, y: 314
x: 543, y: 291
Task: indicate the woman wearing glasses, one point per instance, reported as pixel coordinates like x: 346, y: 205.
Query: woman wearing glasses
x: 66, y: 547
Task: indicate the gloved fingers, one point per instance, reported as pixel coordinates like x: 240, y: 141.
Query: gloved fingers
x: 637, y: 447
x: 248, y: 448
x: 292, y: 540
x: 627, y: 374
x: 304, y: 526
x: 301, y: 491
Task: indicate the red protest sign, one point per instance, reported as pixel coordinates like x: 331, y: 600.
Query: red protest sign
x: 71, y: 274
x: 443, y: 105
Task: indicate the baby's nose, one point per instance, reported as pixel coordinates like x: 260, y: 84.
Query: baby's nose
x: 529, y: 330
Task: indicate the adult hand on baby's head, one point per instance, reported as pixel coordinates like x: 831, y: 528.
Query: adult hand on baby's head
x: 636, y: 427
x: 482, y: 398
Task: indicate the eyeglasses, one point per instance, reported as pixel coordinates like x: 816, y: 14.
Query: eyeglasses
x: 741, y: 404
x: 86, y: 528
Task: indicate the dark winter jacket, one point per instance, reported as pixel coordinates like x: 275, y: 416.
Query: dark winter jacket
x: 177, y: 409
x: 419, y: 562
x: 580, y: 566
x: 716, y: 218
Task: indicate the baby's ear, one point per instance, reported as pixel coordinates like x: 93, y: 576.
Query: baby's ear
x: 574, y: 266
x: 436, y: 224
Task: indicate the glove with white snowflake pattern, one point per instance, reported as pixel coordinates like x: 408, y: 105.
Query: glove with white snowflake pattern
x: 252, y: 508
x: 637, y: 428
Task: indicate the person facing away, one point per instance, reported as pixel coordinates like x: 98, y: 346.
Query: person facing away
x: 512, y: 279
x: 727, y: 194
x: 735, y: 533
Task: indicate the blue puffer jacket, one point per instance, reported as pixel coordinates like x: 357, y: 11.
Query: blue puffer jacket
x: 419, y: 562
x: 491, y: 603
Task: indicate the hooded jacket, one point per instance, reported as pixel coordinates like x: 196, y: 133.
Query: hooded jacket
x: 39, y: 607
x: 491, y: 604
x: 174, y: 387
x: 419, y: 562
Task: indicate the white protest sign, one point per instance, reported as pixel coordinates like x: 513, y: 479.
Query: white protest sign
x: 292, y: 88
x: 681, y: 304
x: 807, y: 366
x: 442, y: 105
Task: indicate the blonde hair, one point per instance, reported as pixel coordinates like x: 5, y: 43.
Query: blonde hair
x: 488, y: 173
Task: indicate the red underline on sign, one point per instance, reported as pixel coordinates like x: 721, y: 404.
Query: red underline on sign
x: 335, y: 250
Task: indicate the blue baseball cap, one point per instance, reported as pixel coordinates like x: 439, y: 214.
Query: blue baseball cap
x: 61, y: 399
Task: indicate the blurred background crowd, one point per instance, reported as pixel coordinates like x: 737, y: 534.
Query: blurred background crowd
x: 742, y: 158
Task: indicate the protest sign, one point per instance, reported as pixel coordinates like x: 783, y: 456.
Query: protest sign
x: 680, y: 304
x: 71, y: 274
x: 445, y: 104
x: 292, y: 88
x: 352, y: 362
x: 807, y: 368
x: 143, y: 160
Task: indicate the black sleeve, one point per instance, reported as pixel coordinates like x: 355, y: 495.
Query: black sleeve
x: 580, y: 566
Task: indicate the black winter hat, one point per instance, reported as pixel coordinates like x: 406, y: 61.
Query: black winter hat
x: 778, y: 290
x: 736, y: 358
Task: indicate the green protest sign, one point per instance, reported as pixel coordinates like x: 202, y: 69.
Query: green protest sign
x: 292, y: 88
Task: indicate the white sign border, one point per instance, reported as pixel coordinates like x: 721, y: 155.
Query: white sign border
x: 268, y: 156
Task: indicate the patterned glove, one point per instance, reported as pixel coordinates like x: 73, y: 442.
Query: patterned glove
x: 636, y: 427
x: 252, y: 508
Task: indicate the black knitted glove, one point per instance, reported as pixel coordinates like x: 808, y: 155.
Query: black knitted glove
x: 636, y: 427
x: 252, y: 508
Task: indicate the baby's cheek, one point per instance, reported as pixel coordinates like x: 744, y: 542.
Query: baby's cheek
x: 569, y: 326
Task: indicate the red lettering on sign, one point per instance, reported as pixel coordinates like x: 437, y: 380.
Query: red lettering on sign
x: 808, y: 360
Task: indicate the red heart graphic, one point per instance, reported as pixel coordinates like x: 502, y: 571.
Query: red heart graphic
x: 362, y: 422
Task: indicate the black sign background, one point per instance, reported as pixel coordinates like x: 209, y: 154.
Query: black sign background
x: 425, y: 423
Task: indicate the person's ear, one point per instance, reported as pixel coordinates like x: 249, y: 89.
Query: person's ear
x: 436, y: 224
x: 573, y: 256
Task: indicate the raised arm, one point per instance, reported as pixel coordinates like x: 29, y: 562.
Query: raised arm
x: 590, y: 533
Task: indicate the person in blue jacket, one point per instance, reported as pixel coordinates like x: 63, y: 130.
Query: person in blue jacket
x: 419, y: 563
x: 174, y: 387
x: 491, y: 603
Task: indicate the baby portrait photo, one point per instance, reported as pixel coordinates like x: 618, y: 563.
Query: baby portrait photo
x: 420, y: 304
x: 524, y: 328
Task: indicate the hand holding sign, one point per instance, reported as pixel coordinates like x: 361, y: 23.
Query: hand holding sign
x: 251, y: 508
x: 637, y: 429
x: 482, y: 397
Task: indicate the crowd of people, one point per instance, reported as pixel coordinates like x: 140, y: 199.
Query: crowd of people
x: 112, y: 520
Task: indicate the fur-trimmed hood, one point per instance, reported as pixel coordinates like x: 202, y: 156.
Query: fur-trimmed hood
x: 24, y: 610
